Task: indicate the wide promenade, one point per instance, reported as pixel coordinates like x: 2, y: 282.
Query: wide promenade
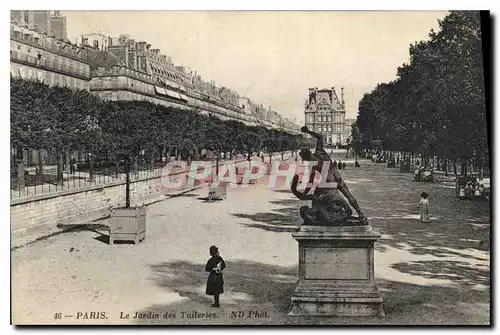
x: 428, y: 274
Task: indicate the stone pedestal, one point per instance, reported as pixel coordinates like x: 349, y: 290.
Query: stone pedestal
x: 336, y: 272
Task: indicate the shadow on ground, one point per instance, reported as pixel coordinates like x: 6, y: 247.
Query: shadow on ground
x: 284, y: 217
x: 457, y: 271
x: 390, y: 200
x: 267, y: 288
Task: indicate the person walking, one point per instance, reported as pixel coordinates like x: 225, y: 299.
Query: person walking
x: 461, y: 193
x: 356, y: 163
x: 339, y: 165
x: 477, y: 192
x: 72, y: 165
x: 215, y: 281
x: 425, y: 217
x: 343, y: 165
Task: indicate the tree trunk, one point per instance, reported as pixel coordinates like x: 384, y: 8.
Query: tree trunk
x: 20, y: 169
x: 59, y: 172
x: 217, y: 164
x: 196, y: 154
x: 136, y: 166
x: 40, y: 162
x: 463, y: 169
x: 91, y: 167
x: 127, y: 184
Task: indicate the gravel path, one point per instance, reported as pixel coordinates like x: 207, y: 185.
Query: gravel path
x: 428, y: 274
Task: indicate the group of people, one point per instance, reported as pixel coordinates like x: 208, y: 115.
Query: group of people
x: 339, y: 165
x: 425, y: 173
x: 473, y: 190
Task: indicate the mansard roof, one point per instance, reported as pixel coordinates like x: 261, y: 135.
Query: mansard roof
x: 97, y: 58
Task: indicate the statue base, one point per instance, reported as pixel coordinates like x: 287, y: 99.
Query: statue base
x: 336, y: 272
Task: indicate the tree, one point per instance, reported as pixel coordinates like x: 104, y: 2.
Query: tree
x: 437, y: 104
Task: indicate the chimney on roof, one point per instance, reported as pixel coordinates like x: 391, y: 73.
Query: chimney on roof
x: 311, y: 91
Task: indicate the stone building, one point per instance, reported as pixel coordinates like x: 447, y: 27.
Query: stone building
x: 348, y: 128
x: 120, y: 68
x: 325, y: 114
x: 37, y: 55
x: 42, y: 21
x: 125, y: 69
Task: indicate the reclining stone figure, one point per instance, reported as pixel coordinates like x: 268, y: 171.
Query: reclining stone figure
x: 328, y: 206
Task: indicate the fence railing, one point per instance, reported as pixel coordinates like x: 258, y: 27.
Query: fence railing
x: 36, y: 183
x: 47, y: 182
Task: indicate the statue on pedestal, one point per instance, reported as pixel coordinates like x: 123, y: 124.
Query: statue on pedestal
x: 328, y: 208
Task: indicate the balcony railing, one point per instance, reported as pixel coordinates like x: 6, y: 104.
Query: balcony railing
x: 50, y: 65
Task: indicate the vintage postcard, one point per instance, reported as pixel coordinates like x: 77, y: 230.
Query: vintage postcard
x: 250, y: 167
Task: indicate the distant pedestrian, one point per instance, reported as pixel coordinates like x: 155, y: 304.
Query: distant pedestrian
x: 339, y: 165
x: 335, y: 164
x: 215, y: 281
x: 461, y: 193
x: 72, y: 165
x: 477, y: 192
x: 425, y: 217
x: 356, y: 163
x: 343, y: 165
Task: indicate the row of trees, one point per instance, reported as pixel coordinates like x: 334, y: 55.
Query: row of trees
x: 64, y: 119
x: 436, y: 106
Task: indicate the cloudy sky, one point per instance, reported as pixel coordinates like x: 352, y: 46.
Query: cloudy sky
x: 274, y: 57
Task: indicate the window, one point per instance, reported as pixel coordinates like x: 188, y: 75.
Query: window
x: 114, y: 96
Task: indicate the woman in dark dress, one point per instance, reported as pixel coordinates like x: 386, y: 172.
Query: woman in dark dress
x: 215, y: 281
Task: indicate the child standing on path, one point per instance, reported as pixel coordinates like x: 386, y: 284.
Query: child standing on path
x: 461, y: 194
x: 425, y: 217
x: 215, y: 281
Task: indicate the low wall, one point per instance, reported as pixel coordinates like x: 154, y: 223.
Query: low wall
x: 72, y: 206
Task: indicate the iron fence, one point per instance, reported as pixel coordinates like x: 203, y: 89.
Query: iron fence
x: 45, y: 181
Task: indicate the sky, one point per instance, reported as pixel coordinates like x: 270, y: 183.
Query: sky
x: 273, y: 57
